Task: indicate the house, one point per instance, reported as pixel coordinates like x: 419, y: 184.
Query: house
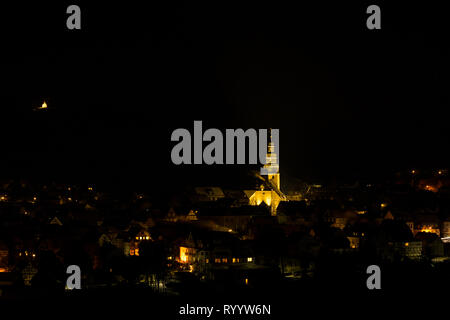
x: 395, y: 241
x: 293, y: 212
x: 4, y: 257
x: 235, y: 219
x: 432, y: 245
x: 209, y: 193
x: 56, y: 221
x: 340, y: 218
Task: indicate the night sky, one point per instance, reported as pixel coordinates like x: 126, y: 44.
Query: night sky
x: 349, y: 102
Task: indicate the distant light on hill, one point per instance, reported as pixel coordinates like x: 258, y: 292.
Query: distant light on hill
x: 43, y: 106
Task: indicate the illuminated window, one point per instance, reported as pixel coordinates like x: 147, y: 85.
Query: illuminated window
x: 249, y: 259
x: 234, y: 260
x: 224, y: 260
x: 136, y: 251
x: 217, y: 260
x: 131, y: 252
x: 406, y: 244
x: 207, y: 260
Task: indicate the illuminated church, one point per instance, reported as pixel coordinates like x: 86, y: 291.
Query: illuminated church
x: 270, y: 192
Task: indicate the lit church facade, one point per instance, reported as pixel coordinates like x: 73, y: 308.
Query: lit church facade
x: 270, y: 193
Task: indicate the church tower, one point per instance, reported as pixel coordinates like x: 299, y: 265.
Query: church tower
x: 271, y: 167
x: 272, y: 195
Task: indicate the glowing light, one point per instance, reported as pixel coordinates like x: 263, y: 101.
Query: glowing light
x: 431, y: 188
x: 406, y: 244
x: 383, y: 205
x: 184, y: 254
x: 428, y: 230
x: 246, y: 281
x: 44, y: 105
x: 249, y: 259
x: 3, y: 270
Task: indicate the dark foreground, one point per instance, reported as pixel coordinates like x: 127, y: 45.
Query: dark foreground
x: 295, y: 299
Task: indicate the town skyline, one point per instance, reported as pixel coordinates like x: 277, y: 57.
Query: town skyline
x: 137, y: 172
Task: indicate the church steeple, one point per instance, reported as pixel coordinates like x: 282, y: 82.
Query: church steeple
x: 271, y: 167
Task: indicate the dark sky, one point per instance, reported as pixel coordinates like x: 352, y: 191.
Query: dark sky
x: 348, y: 101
